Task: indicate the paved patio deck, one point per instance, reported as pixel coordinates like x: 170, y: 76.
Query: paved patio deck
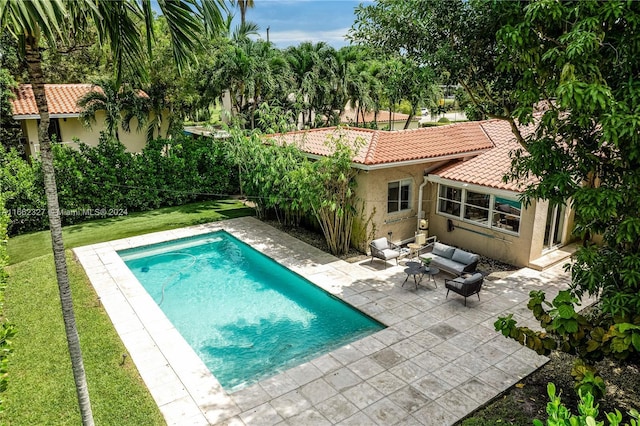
x: 435, y: 363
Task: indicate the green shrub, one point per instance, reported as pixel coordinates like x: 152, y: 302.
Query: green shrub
x: 106, y: 180
x: 7, y: 331
x: 559, y: 415
x: 444, y: 120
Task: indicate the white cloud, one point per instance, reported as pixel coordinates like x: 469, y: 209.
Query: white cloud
x: 294, y: 37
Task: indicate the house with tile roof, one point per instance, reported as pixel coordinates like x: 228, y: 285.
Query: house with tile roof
x: 446, y: 181
x: 65, y: 118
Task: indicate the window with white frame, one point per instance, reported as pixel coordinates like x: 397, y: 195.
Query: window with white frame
x: 399, y: 195
x: 480, y: 208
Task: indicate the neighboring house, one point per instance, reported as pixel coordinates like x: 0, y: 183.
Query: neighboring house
x: 398, y: 119
x: 450, y: 176
x: 65, y: 118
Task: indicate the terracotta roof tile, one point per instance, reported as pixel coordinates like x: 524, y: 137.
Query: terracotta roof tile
x: 487, y: 169
x: 61, y: 98
x: 384, y: 147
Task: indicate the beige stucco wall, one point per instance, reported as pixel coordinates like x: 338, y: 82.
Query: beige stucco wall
x: 71, y: 128
x: 372, y: 188
x: 516, y: 250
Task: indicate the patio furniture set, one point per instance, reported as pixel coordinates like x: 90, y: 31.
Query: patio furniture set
x: 460, y: 263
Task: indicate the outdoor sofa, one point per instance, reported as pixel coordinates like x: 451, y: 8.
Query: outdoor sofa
x: 451, y: 259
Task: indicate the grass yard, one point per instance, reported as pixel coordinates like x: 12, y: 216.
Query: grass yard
x: 27, y: 246
x: 41, y: 388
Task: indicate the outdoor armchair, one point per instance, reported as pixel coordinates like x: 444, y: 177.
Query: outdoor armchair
x: 384, y: 249
x: 465, y: 286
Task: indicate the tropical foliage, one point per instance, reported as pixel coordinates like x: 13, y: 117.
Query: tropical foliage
x: 279, y: 178
x: 7, y: 330
x: 106, y: 180
x: 587, y: 415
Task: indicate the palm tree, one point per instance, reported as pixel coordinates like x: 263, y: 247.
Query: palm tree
x: 243, y: 5
x: 120, y: 105
x: 117, y: 24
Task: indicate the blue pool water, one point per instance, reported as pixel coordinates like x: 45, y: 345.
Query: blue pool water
x: 246, y: 316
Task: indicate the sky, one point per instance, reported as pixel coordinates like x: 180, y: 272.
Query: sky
x: 294, y: 21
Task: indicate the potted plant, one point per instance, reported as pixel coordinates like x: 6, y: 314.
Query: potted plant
x: 426, y: 261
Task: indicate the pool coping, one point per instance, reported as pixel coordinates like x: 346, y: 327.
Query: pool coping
x: 413, y: 355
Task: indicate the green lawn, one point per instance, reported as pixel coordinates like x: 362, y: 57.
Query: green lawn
x: 23, y: 247
x: 41, y: 388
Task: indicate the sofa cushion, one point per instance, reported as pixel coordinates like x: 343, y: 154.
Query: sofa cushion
x: 380, y: 243
x: 473, y: 278
x: 464, y: 257
x: 443, y: 250
x: 448, y: 265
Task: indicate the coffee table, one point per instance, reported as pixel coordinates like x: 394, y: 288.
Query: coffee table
x: 414, y: 269
x: 431, y: 272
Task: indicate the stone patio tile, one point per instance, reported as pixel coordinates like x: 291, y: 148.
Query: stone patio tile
x: 485, y: 333
x: 389, y: 336
x: 478, y: 390
x: 385, y: 412
x: 456, y: 405
x: 181, y: 408
x: 366, y: 367
x: 490, y: 354
x: 497, y: 378
x: 337, y: 408
x: 347, y: 354
x: 429, y: 361
x: 452, y: 374
x: 530, y: 357
x: 389, y: 302
x: 434, y: 414
x: 389, y: 318
x: 410, y: 421
x: 426, y: 340
x: 310, y: 417
x: 471, y: 363
x: 386, y: 382
x: 317, y: 391
x: 363, y: 395
x: 515, y: 367
x: 250, y: 397
x: 506, y: 345
x: 408, y: 328
x: 409, y: 399
x: 408, y: 371
x: 326, y: 363
x: 278, y: 385
x: 431, y: 386
x: 466, y: 341
x: 369, y: 345
x: 290, y: 404
x: 422, y: 304
x: 387, y: 358
x: 263, y: 414
x: 447, y: 351
x: 304, y: 373
x: 342, y: 379
x: 443, y: 330
x: 407, y: 348
x: 405, y: 311
x: 443, y: 312
x: 358, y: 419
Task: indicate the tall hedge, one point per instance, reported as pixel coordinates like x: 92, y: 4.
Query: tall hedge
x: 106, y: 180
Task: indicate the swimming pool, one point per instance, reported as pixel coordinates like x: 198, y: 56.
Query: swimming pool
x: 246, y: 316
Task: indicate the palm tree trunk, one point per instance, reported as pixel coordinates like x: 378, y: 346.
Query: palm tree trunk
x: 36, y: 78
